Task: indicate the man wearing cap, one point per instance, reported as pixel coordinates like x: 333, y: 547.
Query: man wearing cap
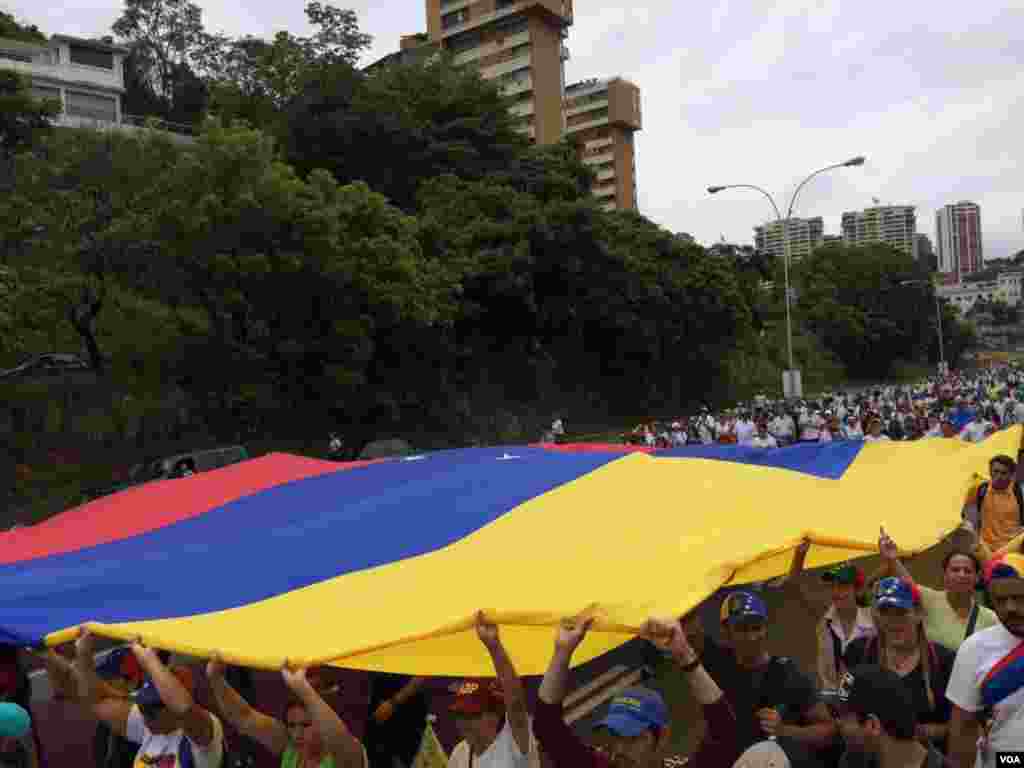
x: 770, y: 695
x: 636, y: 730
x: 162, y: 717
x: 492, y: 716
x: 987, y: 685
x: 878, y: 720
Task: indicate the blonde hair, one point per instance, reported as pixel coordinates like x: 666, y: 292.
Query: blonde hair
x: 924, y: 650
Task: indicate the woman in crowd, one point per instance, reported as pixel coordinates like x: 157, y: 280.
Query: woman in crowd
x: 953, y: 614
x: 311, y: 735
x: 844, y: 620
x: 902, y: 646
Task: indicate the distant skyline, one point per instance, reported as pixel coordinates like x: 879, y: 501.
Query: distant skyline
x: 742, y: 91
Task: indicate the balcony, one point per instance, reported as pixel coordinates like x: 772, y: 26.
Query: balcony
x: 553, y: 8
x: 69, y: 74
x: 129, y: 124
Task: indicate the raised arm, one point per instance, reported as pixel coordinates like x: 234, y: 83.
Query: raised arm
x: 196, y: 721
x: 669, y: 635
x: 266, y: 731
x: 338, y: 739
x: 511, y: 686
x: 890, y: 556
x: 100, y: 699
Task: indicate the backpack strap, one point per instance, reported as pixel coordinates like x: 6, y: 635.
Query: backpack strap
x: 1019, y: 494
x: 185, y: 757
x: 973, y: 620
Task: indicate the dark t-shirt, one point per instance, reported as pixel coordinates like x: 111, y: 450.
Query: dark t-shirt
x: 780, y: 683
x: 401, y: 735
x: 865, y: 651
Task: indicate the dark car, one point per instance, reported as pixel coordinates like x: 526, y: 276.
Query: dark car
x: 51, y: 364
x: 173, y: 467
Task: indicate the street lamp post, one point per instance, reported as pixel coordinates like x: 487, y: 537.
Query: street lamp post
x: 791, y: 383
x: 938, y: 322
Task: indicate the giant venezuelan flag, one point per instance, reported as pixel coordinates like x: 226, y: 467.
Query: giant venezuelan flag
x: 383, y: 565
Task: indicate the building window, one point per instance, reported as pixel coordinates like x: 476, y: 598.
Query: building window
x: 500, y: 5
x: 467, y: 41
x: 91, y: 58
x: 455, y: 18
x: 91, y: 105
x: 587, y: 117
x: 512, y: 26
x: 589, y: 98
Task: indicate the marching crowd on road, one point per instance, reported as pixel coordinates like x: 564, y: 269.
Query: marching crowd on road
x: 968, y: 407
x: 906, y: 676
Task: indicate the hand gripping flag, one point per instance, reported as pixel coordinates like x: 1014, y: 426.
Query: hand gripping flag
x: 383, y: 565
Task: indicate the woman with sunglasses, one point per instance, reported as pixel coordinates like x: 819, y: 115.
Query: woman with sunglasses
x: 311, y: 735
x: 902, y: 647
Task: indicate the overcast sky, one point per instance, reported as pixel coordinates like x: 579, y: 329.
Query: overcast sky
x: 757, y: 92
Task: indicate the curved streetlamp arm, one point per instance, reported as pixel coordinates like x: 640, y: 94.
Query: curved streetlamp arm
x: 771, y: 199
x: 792, y: 202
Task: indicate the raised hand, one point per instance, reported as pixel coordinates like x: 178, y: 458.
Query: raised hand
x: 487, y: 631
x: 295, y: 679
x: 85, y: 644
x: 215, y: 668
x: 886, y: 546
x: 571, y: 633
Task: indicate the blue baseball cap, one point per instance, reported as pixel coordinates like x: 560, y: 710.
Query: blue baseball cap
x: 634, y: 711
x: 740, y: 606
x: 894, y: 592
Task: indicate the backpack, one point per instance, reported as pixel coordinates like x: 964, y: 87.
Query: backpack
x: 1017, y: 492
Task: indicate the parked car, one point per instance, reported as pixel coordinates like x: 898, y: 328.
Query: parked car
x: 51, y: 364
x: 172, y: 467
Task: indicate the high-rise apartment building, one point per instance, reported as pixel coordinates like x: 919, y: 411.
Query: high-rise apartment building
x: 895, y: 225
x: 958, y: 236
x: 518, y: 43
x: 804, y: 236
x: 602, y: 116
x: 925, y: 253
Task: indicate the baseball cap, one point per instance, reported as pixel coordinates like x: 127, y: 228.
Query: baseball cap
x: 845, y: 573
x: 148, y: 697
x: 894, y: 592
x: 868, y: 689
x: 634, y: 711
x: 1009, y: 566
x: 743, y: 605
x: 121, y: 663
x: 474, y: 697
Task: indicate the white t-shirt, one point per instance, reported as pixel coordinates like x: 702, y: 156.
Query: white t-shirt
x: 160, y: 750
x: 763, y: 442
x: 503, y: 753
x: 744, y: 432
x: 977, y: 655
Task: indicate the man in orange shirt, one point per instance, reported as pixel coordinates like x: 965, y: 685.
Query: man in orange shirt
x: 996, y: 510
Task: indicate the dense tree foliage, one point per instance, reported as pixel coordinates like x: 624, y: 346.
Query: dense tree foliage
x: 384, y: 252
x: 11, y: 29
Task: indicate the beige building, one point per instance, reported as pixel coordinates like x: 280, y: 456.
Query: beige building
x: 805, y: 236
x: 518, y: 43
x: 892, y: 224
x: 602, y: 116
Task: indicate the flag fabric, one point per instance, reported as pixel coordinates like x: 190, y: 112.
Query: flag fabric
x: 383, y: 565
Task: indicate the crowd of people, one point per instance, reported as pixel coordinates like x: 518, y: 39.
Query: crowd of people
x: 906, y: 675
x: 970, y: 407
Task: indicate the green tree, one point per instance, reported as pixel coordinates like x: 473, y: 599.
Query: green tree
x: 23, y: 117
x: 292, y: 275
x: 438, y: 118
x: 856, y: 301
x: 255, y: 80
x: 11, y: 29
x: 170, y: 48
